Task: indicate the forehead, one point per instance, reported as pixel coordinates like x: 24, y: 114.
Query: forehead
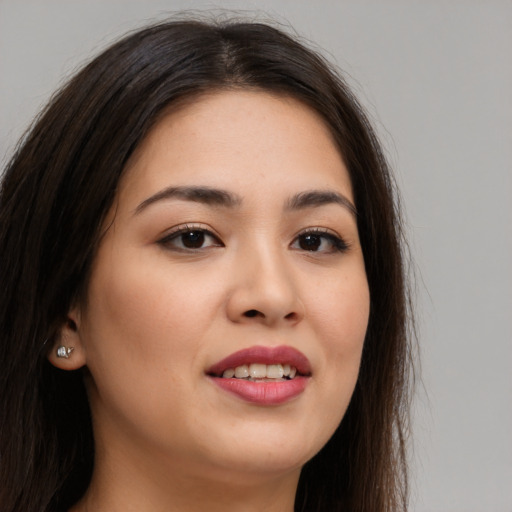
x: 238, y: 139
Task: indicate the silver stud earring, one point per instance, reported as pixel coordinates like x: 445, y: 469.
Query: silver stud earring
x: 64, y: 352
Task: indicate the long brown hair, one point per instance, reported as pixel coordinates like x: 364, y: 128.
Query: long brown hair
x: 55, y: 194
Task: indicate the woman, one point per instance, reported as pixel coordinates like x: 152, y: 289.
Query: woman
x: 203, y: 300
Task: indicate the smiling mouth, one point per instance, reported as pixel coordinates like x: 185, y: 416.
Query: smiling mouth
x: 263, y: 376
x: 260, y: 372
x: 263, y: 364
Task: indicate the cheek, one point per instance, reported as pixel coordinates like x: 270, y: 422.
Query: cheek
x: 143, y: 319
x: 340, y: 319
x: 143, y: 330
x: 148, y: 298
x: 340, y: 310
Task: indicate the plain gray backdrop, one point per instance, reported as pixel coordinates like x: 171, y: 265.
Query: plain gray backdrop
x: 436, y: 77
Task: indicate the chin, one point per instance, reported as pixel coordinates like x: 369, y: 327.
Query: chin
x: 268, y: 450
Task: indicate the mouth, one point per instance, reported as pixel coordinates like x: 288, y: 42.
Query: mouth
x: 263, y: 375
x: 259, y: 372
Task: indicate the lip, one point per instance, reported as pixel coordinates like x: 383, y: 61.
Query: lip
x: 263, y: 393
x: 263, y: 355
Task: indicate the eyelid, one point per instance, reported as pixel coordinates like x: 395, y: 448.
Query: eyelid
x: 318, y: 230
x: 339, y: 243
x: 178, y: 230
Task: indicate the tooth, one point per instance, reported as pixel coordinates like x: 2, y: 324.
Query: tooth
x: 241, y: 372
x: 275, y: 371
x: 258, y: 371
x: 229, y: 373
x: 286, y: 370
x: 293, y: 372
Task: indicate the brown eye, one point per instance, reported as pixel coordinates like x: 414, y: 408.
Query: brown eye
x: 190, y: 239
x: 319, y: 241
x: 310, y: 242
x: 193, y: 239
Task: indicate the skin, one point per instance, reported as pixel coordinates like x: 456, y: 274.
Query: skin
x: 158, y: 314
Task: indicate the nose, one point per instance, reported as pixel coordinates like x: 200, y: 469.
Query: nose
x: 264, y: 290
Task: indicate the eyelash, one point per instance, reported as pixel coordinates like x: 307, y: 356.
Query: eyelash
x: 337, y: 243
x: 179, y: 231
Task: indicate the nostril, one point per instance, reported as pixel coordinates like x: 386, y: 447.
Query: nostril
x: 252, y: 313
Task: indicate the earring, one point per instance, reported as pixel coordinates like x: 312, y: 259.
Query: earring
x: 64, y: 352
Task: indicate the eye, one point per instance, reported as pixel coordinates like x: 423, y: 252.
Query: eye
x: 190, y: 238
x: 319, y: 240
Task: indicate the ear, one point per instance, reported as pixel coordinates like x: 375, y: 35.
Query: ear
x: 68, y: 341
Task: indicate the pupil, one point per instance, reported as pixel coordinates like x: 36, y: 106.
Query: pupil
x: 193, y: 239
x: 310, y: 242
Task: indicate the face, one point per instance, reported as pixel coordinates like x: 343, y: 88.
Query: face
x: 232, y: 250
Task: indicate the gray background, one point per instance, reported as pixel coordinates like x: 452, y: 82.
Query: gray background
x: 437, y: 79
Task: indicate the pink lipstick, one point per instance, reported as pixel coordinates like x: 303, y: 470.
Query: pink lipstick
x: 263, y: 375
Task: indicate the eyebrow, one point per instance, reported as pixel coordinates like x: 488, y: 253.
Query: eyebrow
x: 205, y: 195
x: 316, y: 198
x: 218, y: 197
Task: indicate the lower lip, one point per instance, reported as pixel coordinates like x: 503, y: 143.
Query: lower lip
x: 263, y: 393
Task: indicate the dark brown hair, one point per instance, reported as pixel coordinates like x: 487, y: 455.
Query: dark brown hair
x: 54, y: 197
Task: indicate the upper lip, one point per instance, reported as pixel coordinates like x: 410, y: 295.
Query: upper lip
x: 282, y: 354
